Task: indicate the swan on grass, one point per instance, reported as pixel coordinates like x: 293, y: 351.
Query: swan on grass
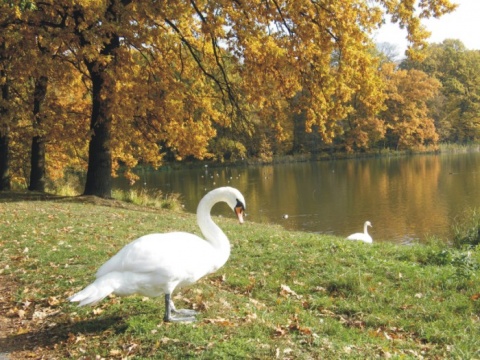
x: 157, y: 264
x: 365, y: 236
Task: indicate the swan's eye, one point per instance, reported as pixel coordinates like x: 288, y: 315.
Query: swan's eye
x: 240, y: 205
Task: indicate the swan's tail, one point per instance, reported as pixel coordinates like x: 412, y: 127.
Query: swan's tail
x: 96, y: 291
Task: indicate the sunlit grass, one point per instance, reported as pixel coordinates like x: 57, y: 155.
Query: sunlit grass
x: 466, y: 229
x: 69, y: 185
x: 282, y: 294
x: 154, y: 198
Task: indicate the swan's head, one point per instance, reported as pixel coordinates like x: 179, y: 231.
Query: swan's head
x: 231, y: 196
x: 237, y: 202
x: 368, y: 223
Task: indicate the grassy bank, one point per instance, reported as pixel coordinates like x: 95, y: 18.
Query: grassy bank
x: 286, y: 295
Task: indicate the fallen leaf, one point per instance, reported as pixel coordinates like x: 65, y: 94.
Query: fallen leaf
x: 22, y: 331
x: 53, y: 300
x: 279, y: 331
x: 97, y: 311
x: 115, y: 352
x: 286, y: 291
x: 166, y: 340
x: 250, y: 317
x: 219, y: 321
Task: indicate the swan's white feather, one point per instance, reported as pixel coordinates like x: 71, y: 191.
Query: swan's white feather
x: 164, y: 254
x: 152, y: 265
x: 360, y: 237
x: 156, y: 264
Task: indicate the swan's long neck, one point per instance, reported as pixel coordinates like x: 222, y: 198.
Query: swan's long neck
x: 212, y: 233
x: 365, y: 229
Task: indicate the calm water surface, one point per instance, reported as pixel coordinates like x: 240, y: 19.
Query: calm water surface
x: 405, y: 198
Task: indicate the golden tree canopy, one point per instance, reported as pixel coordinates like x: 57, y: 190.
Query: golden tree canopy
x: 168, y: 75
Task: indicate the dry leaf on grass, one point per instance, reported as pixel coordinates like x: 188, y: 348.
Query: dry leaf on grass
x: 286, y: 291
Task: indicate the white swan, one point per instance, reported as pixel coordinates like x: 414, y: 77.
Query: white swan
x: 157, y: 264
x: 365, y: 237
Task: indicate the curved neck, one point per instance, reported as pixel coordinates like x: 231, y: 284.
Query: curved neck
x: 365, y: 229
x: 212, y: 233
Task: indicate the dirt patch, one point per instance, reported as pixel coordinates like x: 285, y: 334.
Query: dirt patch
x: 41, y: 330
x: 22, y: 336
x: 8, y: 325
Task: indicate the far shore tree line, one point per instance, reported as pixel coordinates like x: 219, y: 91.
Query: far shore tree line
x: 96, y: 86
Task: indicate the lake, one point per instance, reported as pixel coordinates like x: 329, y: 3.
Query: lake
x: 405, y: 198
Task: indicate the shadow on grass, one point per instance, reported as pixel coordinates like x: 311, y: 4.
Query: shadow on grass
x: 16, y: 196
x: 47, y: 338
x: 24, y: 195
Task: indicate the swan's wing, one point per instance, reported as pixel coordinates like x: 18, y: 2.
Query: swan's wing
x: 355, y: 236
x: 159, y: 252
x: 360, y: 237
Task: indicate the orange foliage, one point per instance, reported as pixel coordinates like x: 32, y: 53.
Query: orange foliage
x: 407, y: 118
x: 173, y: 76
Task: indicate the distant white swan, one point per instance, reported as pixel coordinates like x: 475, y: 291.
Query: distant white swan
x: 157, y: 264
x: 365, y: 237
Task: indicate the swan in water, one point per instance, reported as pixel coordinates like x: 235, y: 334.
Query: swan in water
x: 365, y: 237
x: 157, y: 264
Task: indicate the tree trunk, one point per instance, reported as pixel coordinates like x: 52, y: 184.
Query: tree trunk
x: 99, y: 173
x: 37, y: 160
x: 5, y: 181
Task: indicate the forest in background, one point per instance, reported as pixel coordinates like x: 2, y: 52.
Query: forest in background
x: 95, y: 86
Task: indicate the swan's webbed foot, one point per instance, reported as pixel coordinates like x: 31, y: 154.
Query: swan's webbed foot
x: 188, y: 315
x: 186, y: 312
x: 182, y: 315
x: 180, y: 319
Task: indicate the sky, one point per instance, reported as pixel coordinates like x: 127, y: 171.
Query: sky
x: 463, y: 24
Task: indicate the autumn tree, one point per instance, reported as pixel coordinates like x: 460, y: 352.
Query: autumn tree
x: 59, y: 125
x: 171, y: 74
x: 11, y: 74
x: 6, y: 117
x: 5, y: 182
x: 457, y: 106
x: 406, y: 116
x: 41, y: 65
x: 363, y: 126
x: 28, y: 67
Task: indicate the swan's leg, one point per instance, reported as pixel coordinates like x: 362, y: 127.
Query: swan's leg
x: 168, y: 311
x: 170, y: 308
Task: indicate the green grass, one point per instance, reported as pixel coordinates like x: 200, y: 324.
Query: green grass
x: 466, y: 229
x: 282, y: 294
x: 152, y: 198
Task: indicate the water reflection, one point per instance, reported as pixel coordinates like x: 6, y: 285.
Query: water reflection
x: 405, y: 198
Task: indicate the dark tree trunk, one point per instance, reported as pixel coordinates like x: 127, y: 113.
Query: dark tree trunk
x: 99, y: 173
x: 37, y: 160
x: 5, y: 181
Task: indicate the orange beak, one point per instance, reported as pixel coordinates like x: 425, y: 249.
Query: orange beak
x: 239, y: 212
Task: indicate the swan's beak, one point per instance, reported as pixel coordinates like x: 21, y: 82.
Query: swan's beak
x: 239, y: 212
